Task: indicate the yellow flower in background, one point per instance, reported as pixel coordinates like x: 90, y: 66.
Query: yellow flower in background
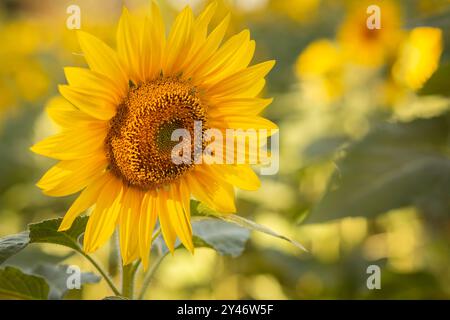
x: 22, y: 76
x: 370, y: 47
x: 320, y: 66
x: 418, y: 57
x: 114, y: 144
x: 301, y: 11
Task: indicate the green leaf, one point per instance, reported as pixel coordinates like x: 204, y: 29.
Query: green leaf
x: 12, y: 244
x: 57, y: 276
x: 438, y: 84
x: 115, y: 298
x: 47, y: 232
x: 324, y: 148
x: 14, y: 284
x: 226, y: 238
x: 395, y: 165
x: 31, y: 256
x: 246, y: 223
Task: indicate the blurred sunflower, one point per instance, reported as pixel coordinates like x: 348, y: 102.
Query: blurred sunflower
x: 22, y: 76
x: 116, y: 126
x: 371, y: 47
x: 418, y: 57
x: 320, y: 69
x: 301, y: 11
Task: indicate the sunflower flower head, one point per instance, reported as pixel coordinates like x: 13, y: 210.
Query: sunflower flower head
x: 118, y: 115
x: 371, y: 47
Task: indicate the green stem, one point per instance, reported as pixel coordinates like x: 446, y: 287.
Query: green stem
x: 103, y: 273
x: 149, y: 275
x: 128, y: 274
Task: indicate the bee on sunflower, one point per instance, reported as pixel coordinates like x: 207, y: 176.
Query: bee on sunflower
x: 116, y: 117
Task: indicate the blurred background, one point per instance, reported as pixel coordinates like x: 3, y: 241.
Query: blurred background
x: 365, y: 147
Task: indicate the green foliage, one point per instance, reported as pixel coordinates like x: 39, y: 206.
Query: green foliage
x: 56, y: 277
x: 14, y: 284
x: 402, y: 163
x: 47, y: 232
x: 10, y: 245
x: 48, y: 276
x: 246, y: 223
x: 226, y: 238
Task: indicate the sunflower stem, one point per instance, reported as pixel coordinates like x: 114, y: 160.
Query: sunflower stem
x: 149, y: 275
x: 150, y: 272
x: 102, y: 272
x: 128, y: 274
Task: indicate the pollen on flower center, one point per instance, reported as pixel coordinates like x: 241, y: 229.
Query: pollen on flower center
x: 139, y: 145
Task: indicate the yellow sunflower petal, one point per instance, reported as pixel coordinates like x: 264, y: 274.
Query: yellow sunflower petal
x: 74, y: 143
x: 212, y: 191
x: 242, y: 80
x: 238, y: 106
x: 70, y: 176
x: 207, y: 49
x: 241, y: 176
x: 201, y: 26
x: 179, y: 41
x: 239, y: 60
x: 167, y: 228
x: 128, y: 45
x: 185, y: 195
x: 103, y: 219
x: 147, y: 221
x: 243, y: 122
x: 85, y: 200
x: 129, y: 220
x: 152, y: 44
x: 65, y: 114
x: 178, y: 217
x: 89, y: 102
x: 252, y: 91
x: 86, y: 79
x: 103, y: 59
x: 222, y: 57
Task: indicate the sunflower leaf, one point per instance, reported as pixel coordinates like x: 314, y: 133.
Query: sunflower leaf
x: 246, y: 223
x: 395, y: 165
x: 47, y: 232
x: 226, y: 238
x: 12, y: 244
x: 14, y: 284
x: 57, y: 277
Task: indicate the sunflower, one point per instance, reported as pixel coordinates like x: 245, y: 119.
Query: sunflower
x: 371, y: 47
x: 116, y: 117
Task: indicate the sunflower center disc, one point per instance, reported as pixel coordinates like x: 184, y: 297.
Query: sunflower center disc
x: 139, y: 145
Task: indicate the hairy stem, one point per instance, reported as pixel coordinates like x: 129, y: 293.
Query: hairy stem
x: 149, y: 275
x: 102, y: 272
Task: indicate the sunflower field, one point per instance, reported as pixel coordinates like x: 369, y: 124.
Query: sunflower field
x: 98, y: 200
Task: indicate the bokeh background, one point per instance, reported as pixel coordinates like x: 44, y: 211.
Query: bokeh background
x: 365, y: 170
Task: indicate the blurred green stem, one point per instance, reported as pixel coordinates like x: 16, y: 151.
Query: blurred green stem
x: 150, y: 272
x: 149, y: 275
x: 114, y: 255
